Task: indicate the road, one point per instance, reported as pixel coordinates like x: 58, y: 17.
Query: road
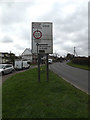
x: 75, y: 76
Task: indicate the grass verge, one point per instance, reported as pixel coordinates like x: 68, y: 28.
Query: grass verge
x: 85, y: 67
x: 24, y: 97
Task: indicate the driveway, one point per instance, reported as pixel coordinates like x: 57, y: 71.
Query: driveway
x: 75, y: 76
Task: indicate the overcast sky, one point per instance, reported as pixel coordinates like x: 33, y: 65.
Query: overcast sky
x: 69, y: 17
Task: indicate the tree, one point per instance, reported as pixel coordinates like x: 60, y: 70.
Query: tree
x: 69, y: 56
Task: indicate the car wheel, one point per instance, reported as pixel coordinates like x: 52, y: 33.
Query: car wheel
x: 12, y: 71
x: 2, y: 73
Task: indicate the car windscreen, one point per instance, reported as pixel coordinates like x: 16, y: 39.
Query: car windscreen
x: 8, y: 65
x: 1, y: 66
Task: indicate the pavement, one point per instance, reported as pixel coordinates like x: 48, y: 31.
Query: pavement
x: 75, y: 76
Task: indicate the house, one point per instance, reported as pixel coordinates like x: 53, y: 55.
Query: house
x: 6, y: 57
x: 27, y: 55
x: 34, y: 58
x: 0, y: 57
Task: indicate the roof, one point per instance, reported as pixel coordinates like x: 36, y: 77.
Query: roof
x: 27, y: 51
x: 4, y: 53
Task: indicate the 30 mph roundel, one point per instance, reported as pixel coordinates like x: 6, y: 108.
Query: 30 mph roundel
x: 37, y: 34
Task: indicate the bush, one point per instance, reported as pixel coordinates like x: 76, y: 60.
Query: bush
x: 81, y: 60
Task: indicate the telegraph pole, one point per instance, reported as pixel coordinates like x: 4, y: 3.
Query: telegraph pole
x: 75, y: 52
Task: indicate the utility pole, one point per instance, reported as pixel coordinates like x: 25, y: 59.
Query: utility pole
x: 75, y: 52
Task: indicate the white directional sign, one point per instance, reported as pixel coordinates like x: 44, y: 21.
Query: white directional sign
x: 42, y: 37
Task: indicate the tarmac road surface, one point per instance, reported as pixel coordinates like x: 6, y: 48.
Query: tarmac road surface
x: 75, y: 76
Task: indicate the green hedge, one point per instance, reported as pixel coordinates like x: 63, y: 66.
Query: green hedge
x: 81, y: 60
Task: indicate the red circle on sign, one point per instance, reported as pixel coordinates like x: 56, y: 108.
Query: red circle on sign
x: 37, y: 34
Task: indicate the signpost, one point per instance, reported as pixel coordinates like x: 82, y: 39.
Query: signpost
x: 42, y: 41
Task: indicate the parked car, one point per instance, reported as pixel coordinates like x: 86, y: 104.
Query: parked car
x: 50, y: 61
x: 20, y: 64
x: 6, y: 68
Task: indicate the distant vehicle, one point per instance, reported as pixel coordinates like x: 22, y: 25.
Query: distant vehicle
x: 50, y: 61
x: 61, y: 61
x: 20, y: 64
x: 6, y: 68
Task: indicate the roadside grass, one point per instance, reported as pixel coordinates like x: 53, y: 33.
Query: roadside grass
x: 24, y: 97
x: 85, y: 67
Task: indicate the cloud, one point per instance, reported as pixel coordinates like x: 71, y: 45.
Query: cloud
x: 14, y: 12
x: 6, y: 39
x: 19, y: 47
x: 69, y: 19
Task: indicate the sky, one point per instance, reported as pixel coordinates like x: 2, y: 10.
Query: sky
x: 69, y: 18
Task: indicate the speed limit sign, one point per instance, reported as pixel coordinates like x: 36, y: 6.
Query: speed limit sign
x: 37, y: 34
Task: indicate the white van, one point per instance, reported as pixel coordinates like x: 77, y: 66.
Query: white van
x: 20, y: 64
x: 25, y: 64
x: 50, y: 61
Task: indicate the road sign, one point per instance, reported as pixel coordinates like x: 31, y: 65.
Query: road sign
x: 42, y: 37
x: 37, y: 34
